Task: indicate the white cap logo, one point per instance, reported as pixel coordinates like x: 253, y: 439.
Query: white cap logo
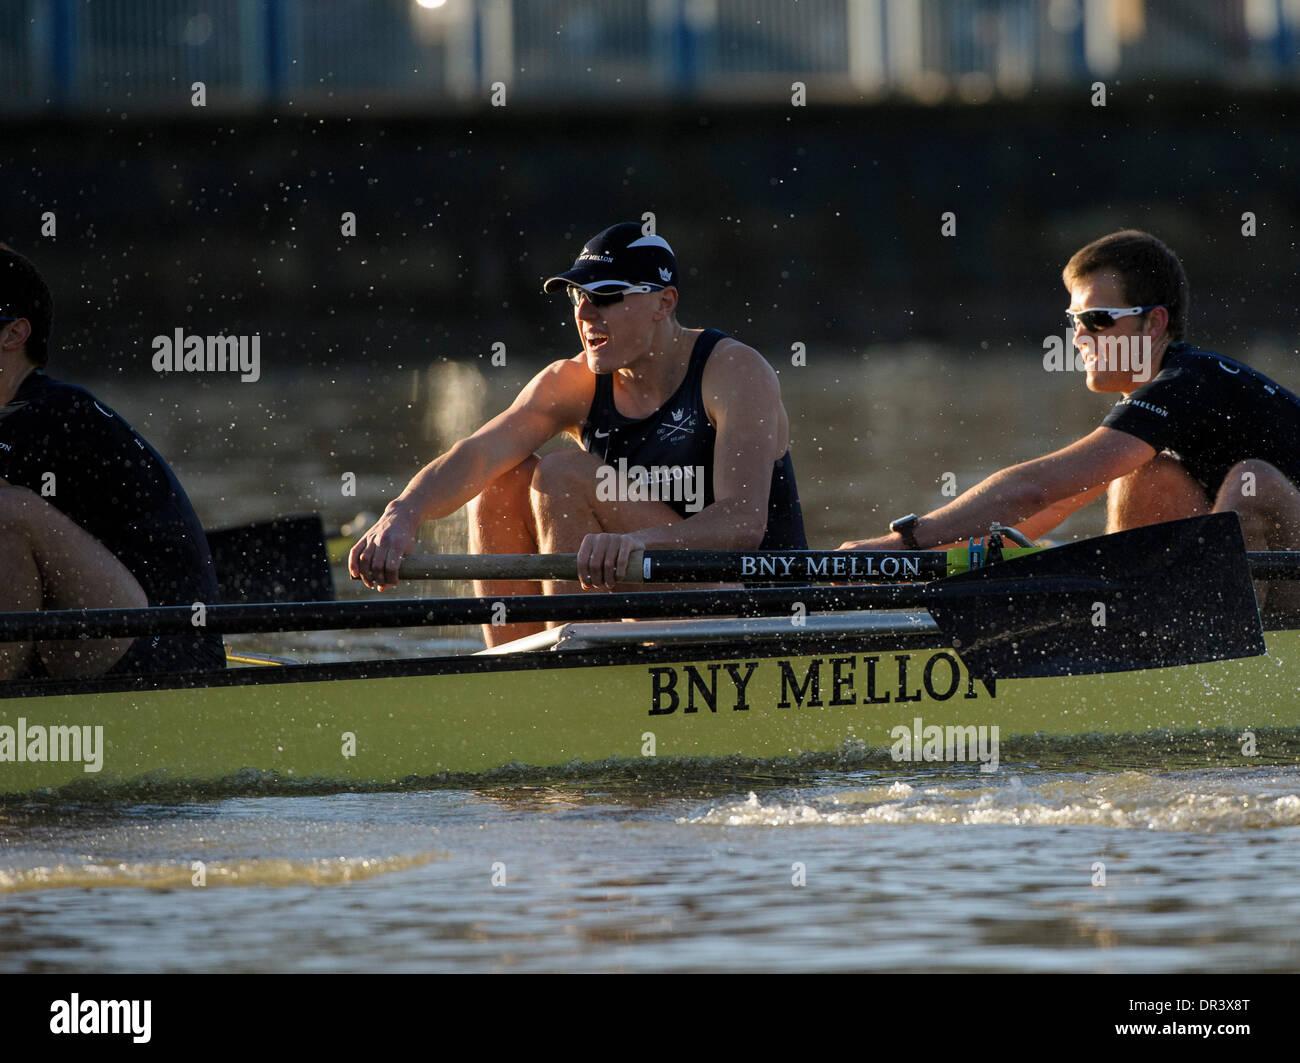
x: 652, y: 241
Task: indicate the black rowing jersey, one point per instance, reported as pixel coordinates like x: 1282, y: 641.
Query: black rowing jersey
x: 677, y: 439
x: 60, y: 442
x: 1212, y: 412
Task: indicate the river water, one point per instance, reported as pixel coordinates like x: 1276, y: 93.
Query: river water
x: 1125, y: 865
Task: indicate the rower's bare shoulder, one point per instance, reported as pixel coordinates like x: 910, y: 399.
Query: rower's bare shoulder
x: 736, y: 367
x: 565, y: 376
x: 564, y: 389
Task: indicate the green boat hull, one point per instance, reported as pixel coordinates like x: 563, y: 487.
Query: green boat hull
x: 392, y: 724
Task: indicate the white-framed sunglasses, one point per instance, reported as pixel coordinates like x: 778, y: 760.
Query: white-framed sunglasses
x: 603, y: 299
x: 1100, y: 317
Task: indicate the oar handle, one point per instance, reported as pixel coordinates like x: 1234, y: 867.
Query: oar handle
x: 505, y: 566
x: 696, y: 566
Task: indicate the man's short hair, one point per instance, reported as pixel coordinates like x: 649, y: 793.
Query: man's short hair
x: 1151, y: 274
x: 23, y: 293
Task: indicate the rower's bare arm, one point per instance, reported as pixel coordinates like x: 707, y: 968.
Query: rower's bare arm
x: 1046, y: 519
x: 552, y: 402
x: 1020, y: 493
x: 742, y: 397
x: 555, y: 400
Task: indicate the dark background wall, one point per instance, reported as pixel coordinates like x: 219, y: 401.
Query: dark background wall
x: 816, y: 224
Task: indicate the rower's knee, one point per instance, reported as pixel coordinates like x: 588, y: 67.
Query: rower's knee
x: 1252, y: 484
x: 1266, y: 501
x: 1160, y: 490
x: 20, y: 517
x: 564, y: 499
x: 566, y: 474
x: 18, y: 505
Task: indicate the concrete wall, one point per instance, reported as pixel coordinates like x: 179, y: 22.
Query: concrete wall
x: 820, y: 225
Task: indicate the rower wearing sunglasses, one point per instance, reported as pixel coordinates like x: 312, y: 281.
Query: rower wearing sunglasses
x: 1193, y: 431
x: 685, y: 442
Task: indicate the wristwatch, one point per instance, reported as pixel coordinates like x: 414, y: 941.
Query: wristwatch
x: 906, y: 527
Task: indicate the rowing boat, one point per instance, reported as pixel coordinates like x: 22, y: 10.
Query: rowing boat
x: 745, y: 689
x: 850, y: 683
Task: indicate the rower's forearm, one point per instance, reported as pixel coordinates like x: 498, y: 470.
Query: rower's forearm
x: 1004, y: 498
x: 444, y: 485
x: 1041, y: 523
x: 1046, y: 519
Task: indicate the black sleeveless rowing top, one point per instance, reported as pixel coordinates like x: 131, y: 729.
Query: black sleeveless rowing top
x: 678, y: 438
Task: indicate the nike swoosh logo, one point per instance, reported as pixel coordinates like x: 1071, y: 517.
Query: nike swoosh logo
x: 599, y: 434
x: 102, y: 410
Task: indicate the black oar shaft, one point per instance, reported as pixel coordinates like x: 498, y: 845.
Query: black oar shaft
x: 436, y: 612
x: 793, y: 566
x: 758, y: 566
x: 428, y: 612
x: 695, y: 566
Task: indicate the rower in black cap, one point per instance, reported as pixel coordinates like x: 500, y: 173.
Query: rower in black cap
x: 685, y: 441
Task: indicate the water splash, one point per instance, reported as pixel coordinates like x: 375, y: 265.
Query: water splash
x: 168, y: 876
x: 1185, y: 801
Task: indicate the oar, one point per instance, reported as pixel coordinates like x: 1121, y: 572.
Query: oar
x: 1274, y: 564
x: 281, y: 560
x: 694, y: 566
x: 758, y: 566
x: 1172, y: 594
x: 428, y: 612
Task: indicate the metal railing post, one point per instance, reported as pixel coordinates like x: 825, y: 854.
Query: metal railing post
x: 63, y: 52
x: 274, y: 52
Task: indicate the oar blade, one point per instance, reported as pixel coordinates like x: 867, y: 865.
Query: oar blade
x: 1154, y: 597
x: 282, y: 560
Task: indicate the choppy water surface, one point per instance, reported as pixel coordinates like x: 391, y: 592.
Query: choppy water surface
x: 1156, y: 860
x: 1129, y: 871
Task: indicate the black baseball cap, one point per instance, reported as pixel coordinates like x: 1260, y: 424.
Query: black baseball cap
x: 620, y: 258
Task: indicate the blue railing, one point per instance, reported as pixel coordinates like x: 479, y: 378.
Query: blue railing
x: 109, y: 56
